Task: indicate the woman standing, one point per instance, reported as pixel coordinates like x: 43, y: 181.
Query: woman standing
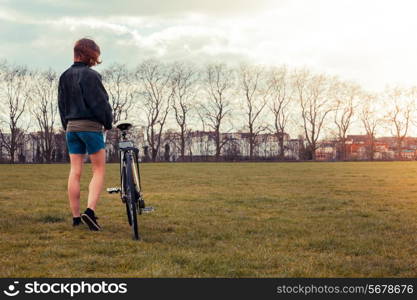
x: 84, y: 110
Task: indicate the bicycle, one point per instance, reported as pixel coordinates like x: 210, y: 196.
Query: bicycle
x: 130, y: 186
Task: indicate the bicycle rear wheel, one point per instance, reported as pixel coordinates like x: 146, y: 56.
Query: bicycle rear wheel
x: 138, y: 188
x: 131, y: 199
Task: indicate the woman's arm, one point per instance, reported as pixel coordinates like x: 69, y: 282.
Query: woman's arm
x: 96, y: 99
x: 61, y: 106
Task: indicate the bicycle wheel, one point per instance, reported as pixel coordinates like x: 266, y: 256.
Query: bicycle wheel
x: 124, y: 185
x: 138, y: 189
x: 131, y: 198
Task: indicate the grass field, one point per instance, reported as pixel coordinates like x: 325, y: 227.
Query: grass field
x: 218, y: 220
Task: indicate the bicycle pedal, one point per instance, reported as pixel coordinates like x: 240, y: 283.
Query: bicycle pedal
x: 113, y: 190
x: 148, y: 209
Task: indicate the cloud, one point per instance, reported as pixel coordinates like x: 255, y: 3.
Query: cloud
x: 368, y: 41
x: 52, y: 8
x: 125, y: 40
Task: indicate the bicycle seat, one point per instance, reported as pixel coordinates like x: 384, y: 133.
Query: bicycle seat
x: 124, y: 125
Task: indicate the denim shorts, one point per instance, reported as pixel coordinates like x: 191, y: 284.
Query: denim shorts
x: 82, y: 141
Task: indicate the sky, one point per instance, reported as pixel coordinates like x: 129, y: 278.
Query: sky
x: 372, y: 42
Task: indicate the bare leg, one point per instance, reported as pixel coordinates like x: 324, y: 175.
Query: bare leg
x: 74, y: 183
x: 98, y: 160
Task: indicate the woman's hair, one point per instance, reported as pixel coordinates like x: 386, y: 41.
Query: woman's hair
x: 87, y: 51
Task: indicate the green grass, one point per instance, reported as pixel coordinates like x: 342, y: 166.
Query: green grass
x: 218, y: 220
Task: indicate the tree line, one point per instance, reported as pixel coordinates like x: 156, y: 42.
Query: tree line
x: 214, y: 97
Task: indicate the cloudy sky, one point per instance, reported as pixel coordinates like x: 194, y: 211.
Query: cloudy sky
x: 373, y: 42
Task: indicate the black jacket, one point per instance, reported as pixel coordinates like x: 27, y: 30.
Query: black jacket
x: 81, y: 95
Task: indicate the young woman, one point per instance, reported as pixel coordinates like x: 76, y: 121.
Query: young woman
x: 84, y: 109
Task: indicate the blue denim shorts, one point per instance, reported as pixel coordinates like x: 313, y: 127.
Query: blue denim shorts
x: 82, y: 141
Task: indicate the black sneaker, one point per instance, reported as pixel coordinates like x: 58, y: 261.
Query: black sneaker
x: 76, y: 221
x: 89, y: 218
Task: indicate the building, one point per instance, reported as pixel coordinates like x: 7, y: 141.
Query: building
x: 326, y: 151
x: 201, y: 145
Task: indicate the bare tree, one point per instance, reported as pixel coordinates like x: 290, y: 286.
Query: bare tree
x: 156, y: 91
x: 313, y: 93
x: 44, y: 109
x: 401, y: 106
x: 345, y: 103
x: 255, y: 91
x: 218, y: 82
x: 14, y: 89
x: 202, y: 137
x: 61, y: 150
x: 184, y: 86
x: 370, y: 121
x: 120, y: 85
x: 280, y: 98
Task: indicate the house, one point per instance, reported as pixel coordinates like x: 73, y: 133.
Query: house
x: 326, y: 151
x: 408, y: 154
